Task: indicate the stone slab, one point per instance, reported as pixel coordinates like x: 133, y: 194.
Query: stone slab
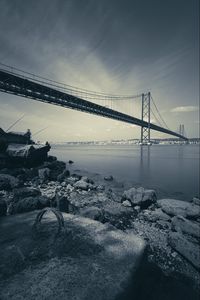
x: 87, y: 261
x: 175, y: 207
x: 189, y: 250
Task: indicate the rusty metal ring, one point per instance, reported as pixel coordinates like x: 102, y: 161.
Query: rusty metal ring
x: 56, y: 212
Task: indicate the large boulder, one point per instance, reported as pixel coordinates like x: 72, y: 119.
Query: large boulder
x: 82, y: 185
x: 139, y: 196
x: 56, y: 168
x: 29, y: 174
x: 43, y: 202
x: 28, y: 204
x: 26, y: 173
x: 88, y: 260
x: 177, y: 207
x: 181, y: 224
x: 189, y: 250
x: 8, y: 182
x: 24, y: 192
x: 3, y: 207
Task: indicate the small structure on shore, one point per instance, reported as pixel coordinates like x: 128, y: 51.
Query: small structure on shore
x: 19, y: 148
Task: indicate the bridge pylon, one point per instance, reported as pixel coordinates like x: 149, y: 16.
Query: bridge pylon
x: 146, y: 116
x: 183, y: 133
x: 182, y: 129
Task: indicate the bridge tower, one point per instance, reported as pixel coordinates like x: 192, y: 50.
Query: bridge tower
x: 145, y: 131
x: 182, y: 132
x: 182, y: 129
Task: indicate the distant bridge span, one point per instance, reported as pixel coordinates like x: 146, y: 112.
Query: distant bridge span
x: 16, y: 84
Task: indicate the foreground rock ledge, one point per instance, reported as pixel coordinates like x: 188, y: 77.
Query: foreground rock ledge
x: 88, y: 261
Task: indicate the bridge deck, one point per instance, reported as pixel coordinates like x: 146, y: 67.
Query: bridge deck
x: 21, y: 86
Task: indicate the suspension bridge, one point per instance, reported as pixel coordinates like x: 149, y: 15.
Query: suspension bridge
x: 17, y: 82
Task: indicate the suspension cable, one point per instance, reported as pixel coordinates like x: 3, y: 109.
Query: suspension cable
x: 156, y: 117
x: 70, y: 88
x: 159, y: 113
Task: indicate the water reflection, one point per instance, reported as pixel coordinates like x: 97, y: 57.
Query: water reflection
x: 145, y: 170
x: 180, y: 152
x: 166, y: 168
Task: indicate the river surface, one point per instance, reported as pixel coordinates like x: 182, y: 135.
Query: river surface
x: 173, y: 170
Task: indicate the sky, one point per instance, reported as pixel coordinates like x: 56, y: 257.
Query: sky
x: 117, y: 46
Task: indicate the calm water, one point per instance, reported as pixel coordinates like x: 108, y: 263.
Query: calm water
x: 172, y: 170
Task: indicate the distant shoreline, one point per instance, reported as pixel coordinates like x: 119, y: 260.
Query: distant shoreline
x: 131, y: 142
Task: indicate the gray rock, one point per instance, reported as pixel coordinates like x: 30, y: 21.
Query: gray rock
x: 8, y: 182
x: 92, y: 212
x: 44, y: 174
x: 156, y: 215
x: 77, y: 176
x: 126, y: 203
x: 23, y: 174
x: 100, y: 188
x: 28, y: 204
x: 24, y: 192
x: 89, y: 260
x: 91, y: 186
x: 71, y: 180
x: 43, y: 201
x: 70, y: 188
x: 3, y: 207
x: 51, y: 183
x: 137, y: 208
x: 82, y: 185
x: 86, y: 179
x: 140, y: 196
x: 29, y: 173
x: 108, y: 178
x: 186, y: 248
x: 177, y: 207
x: 49, y: 192
x: 55, y: 165
x: 56, y: 168
x: 181, y: 224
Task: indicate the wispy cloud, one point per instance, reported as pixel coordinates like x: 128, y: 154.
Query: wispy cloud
x: 184, y: 109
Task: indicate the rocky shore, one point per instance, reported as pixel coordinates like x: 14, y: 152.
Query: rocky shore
x: 170, y: 227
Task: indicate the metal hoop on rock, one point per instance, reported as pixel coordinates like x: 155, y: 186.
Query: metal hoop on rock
x: 56, y: 212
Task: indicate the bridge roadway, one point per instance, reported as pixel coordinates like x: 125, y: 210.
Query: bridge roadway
x: 16, y: 84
